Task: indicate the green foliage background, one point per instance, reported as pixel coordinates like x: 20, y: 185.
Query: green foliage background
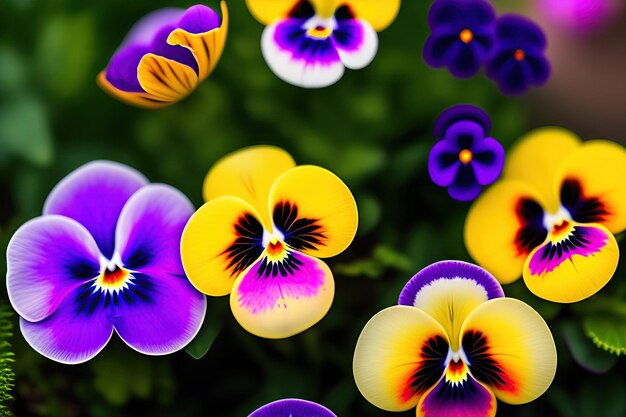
x: 373, y: 129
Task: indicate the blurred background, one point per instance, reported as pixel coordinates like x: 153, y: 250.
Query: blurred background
x: 373, y: 129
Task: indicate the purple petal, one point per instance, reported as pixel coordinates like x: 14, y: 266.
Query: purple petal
x: 150, y: 228
x: 47, y: 258
x: 438, y: 48
x: 449, y: 270
x: 443, y: 163
x: 488, y: 160
x: 199, y: 19
x: 73, y: 334
x: 461, y: 14
x: 464, y: 134
x: 292, y: 408
x: 122, y: 69
x: 290, y: 36
x: 144, y: 31
x: 94, y: 196
x: 467, y: 398
x: 464, y: 187
x: 459, y: 113
x: 466, y: 61
x: 159, y: 313
x: 517, y: 31
x: 159, y: 46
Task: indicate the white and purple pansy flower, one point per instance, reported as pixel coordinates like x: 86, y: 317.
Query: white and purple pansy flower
x: 104, y: 258
x: 310, y: 43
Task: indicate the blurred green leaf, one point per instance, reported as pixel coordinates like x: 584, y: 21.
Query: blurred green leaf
x: 12, y: 70
x: 217, y: 309
x: 584, y: 352
x: 607, y: 331
x: 118, y: 380
x: 383, y: 258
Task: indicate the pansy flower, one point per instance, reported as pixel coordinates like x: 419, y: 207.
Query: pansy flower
x: 309, y: 43
x: 553, y: 215
x: 454, y: 345
x: 462, y: 35
x: 104, y: 257
x: 518, y: 60
x: 258, y: 237
x: 465, y: 159
x: 166, y: 55
x: 292, y: 408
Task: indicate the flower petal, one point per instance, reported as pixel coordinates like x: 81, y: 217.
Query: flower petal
x: 200, y: 32
x: 462, y: 112
x: 443, y: 163
x: 314, y: 210
x: 356, y: 42
x: 510, y: 349
x: 159, y: 313
x: 573, y: 265
x: 467, y: 398
x: 164, y: 79
x: 292, y: 408
x: 399, y: 356
x: 464, y: 187
x: 149, y: 230
x: 268, y: 11
x: 592, y: 186
x: 377, y: 13
x: 488, y: 160
x: 47, y: 258
x: 136, y: 98
x: 536, y: 160
x: 73, y: 334
x: 248, y: 174
x: 298, y: 59
x: 94, y: 196
x: 279, y: 299
x: 221, y: 240
x: 503, y: 226
x: 448, y: 291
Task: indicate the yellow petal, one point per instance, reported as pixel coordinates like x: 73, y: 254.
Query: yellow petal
x: 142, y: 100
x: 166, y: 79
x: 221, y: 240
x: 400, y: 355
x: 592, y: 184
x: 314, y: 210
x: 206, y: 47
x: 276, y: 299
x: 503, y: 226
x: 248, y: 174
x: 573, y: 264
x: 536, y: 159
x: 268, y: 11
x: 510, y: 349
x: 379, y: 14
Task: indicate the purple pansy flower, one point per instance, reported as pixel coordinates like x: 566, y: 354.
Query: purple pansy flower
x: 292, y: 408
x: 104, y: 257
x: 165, y: 56
x: 518, y: 60
x: 462, y: 35
x: 465, y: 159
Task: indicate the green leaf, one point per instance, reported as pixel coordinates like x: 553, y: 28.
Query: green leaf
x: 584, y: 352
x: 607, y: 331
x: 383, y: 258
x: 12, y: 70
x: 217, y: 309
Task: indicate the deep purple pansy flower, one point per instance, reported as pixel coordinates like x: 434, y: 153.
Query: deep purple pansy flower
x: 518, y: 60
x: 104, y: 257
x: 462, y: 35
x: 292, y: 408
x: 465, y: 159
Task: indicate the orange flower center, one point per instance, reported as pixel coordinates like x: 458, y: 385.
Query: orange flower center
x: 319, y: 32
x: 466, y: 36
x: 519, y: 55
x: 466, y: 156
x: 113, y: 277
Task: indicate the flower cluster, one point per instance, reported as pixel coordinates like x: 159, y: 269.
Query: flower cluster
x: 309, y: 43
x: 452, y: 346
x: 464, y: 159
x: 553, y: 215
x: 104, y: 257
x: 166, y: 55
x: 260, y: 234
x: 466, y: 34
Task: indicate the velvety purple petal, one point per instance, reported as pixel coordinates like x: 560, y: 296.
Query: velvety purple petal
x: 292, y: 408
x: 199, y: 19
x: 94, y: 196
x: 539, y: 68
x: 443, y: 163
x: 514, y: 79
x: 460, y: 14
x: 488, y: 160
x: 438, y: 48
x: 464, y: 134
x: 47, y: 258
x: 519, y: 32
x: 356, y: 42
x: 144, y: 31
x: 449, y: 270
x: 290, y: 36
x: 501, y: 58
x: 459, y: 113
x: 467, y: 398
x: 160, y: 47
x: 465, y: 61
x: 159, y: 313
x: 72, y: 334
x: 464, y: 187
x: 122, y: 69
x: 149, y: 230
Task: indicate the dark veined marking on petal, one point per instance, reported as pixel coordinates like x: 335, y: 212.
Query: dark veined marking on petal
x: 481, y: 363
x: 139, y: 289
x: 429, y: 370
x: 344, y: 13
x: 82, y: 270
x: 303, y: 10
x: 287, y: 266
x: 583, y: 209
x: 300, y: 233
x: 248, y: 245
x: 532, y: 233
